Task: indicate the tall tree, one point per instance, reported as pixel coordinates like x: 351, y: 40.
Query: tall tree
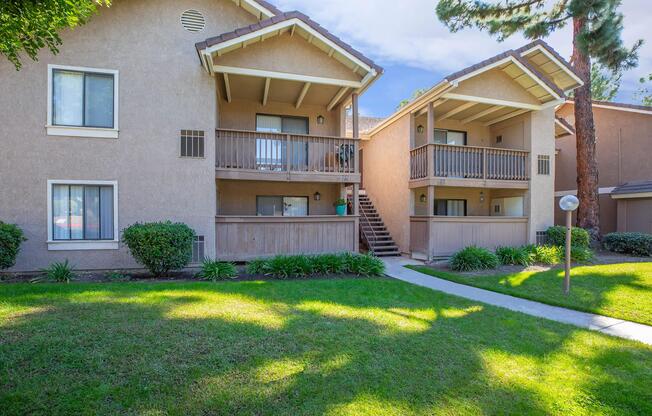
x: 644, y: 93
x: 597, y: 28
x: 604, y: 83
x: 415, y: 94
x: 26, y: 26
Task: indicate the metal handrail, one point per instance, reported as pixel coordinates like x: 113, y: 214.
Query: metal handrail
x: 364, y: 217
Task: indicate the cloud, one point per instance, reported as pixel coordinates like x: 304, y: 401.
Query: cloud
x: 408, y: 33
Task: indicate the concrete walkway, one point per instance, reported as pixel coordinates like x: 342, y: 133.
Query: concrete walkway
x: 604, y: 324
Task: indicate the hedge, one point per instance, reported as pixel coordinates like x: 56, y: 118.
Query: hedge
x: 556, y: 236
x: 637, y: 244
x: 10, y: 239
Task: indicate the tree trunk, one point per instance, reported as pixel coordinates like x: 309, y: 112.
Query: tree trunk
x: 588, y: 213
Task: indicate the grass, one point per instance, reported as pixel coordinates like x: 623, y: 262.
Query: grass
x: 618, y: 290
x: 334, y: 347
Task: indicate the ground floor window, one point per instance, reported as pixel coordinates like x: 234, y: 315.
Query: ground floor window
x: 288, y: 206
x: 82, y: 211
x: 450, y: 207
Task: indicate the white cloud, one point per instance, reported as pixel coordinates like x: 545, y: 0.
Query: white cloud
x: 409, y: 33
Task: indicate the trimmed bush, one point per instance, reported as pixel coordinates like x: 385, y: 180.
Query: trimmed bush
x: 556, y: 236
x: 60, y: 272
x: 284, y: 267
x: 217, y: 270
x: 518, y: 256
x: 636, y: 244
x: 160, y: 246
x: 10, y: 239
x: 581, y: 254
x: 473, y: 258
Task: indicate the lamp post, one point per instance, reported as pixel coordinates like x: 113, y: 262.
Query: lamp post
x: 569, y: 203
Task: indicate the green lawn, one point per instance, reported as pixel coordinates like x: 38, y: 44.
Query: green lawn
x: 350, y: 346
x: 619, y: 290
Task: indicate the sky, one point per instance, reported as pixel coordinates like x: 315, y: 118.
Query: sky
x: 417, y: 51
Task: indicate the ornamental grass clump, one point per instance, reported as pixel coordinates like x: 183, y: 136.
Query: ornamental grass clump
x: 518, y: 256
x: 473, y: 258
x: 60, y: 272
x: 289, y: 266
x: 215, y: 270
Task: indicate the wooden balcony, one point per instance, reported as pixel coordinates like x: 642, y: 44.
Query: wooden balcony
x: 441, y: 236
x: 241, y: 238
x: 251, y: 155
x: 448, y: 165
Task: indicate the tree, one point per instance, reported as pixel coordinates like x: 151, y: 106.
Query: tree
x: 644, y: 93
x: 604, y: 83
x: 597, y: 28
x: 416, y: 94
x: 26, y: 26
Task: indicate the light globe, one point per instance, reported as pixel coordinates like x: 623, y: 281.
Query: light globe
x: 569, y: 203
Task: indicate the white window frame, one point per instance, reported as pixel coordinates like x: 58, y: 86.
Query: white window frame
x: 96, y: 132
x: 59, y: 245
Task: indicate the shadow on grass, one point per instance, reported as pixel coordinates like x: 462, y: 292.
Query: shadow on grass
x: 317, y: 347
x: 618, y: 290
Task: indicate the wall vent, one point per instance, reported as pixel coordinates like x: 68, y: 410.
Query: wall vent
x: 192, y: 143
x: 193, y: 21
x: 198, y: 249
x: 543, y: 165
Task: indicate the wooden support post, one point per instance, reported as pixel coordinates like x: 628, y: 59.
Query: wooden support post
x: 356, y: 213
x: 431, y: 212
x: 356, y: 132
x: 430, y: 124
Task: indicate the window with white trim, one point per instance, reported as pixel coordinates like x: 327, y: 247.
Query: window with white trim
x: 82, y: 101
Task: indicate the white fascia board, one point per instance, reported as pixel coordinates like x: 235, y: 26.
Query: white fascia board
x: 555, y: 60
x: 266, y: 13
x: 282, y: 25
x: 485, y: 100
x: 285, y: 75
x: 563, y: 126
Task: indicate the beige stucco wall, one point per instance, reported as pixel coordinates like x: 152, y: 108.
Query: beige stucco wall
x: 386, y: 169
x: 474, y: 206
x: 239, y: 197
x: 476, y: 133
x: 495, y: 84
x: 162, y: 89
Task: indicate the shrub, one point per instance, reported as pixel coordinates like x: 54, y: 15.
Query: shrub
x: 328, y: 263
x: 637, y: 244
x: 10, y: 239
x: 160, y: 246
x: 473, y: 258
x: 280, y: 267
x: 61, y: 272
x: 545, y: 254
x: 514, y: 255
x: 366, y: 265
x: 556, y: 236
x: 256, y: 266
x: 581, y: 254
x: 217, y: 270
x: 117, y: 276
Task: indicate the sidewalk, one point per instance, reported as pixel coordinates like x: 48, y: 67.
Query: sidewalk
x: 604, y: 324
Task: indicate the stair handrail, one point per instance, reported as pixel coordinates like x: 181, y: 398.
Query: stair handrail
x: 368, y: 223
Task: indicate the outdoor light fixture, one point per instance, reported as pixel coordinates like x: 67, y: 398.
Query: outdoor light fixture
x: 420, y: 129
x: 320, y: 119
x: 422, y: 198
x: 481, y: 196
x: 569, y: 203
x: 317, y: 196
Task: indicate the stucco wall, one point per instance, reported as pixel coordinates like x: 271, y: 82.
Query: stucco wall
x: 162, y: 90
x: 386, y: 175
x: 476, y: 133
x: 239, y: 197
x: 474, y: 207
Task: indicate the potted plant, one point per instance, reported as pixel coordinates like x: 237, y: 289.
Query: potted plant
x: 340, y: 206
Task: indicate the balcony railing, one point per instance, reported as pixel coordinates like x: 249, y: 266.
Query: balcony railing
x: 281, y: 152
x: 470, y: 162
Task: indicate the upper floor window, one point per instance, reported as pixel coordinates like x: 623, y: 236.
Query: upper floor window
x: 453, y: 137
x: 281, y: 124
x: 82, y: 102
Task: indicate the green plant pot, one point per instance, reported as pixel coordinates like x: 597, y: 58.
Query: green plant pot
x: 340, y: 210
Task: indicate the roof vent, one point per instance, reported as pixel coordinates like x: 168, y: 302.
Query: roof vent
x: 193, y: 21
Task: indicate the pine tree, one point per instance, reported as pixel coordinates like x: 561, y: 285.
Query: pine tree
x: 597, y: 29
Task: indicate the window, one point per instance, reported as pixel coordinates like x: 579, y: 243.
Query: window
x: 543, y: 165
x: 271, y: 152
x: 198, y: 249
x: 287, y: 206
x: 499, y: 139
x: 450, y: 207
x: 457, y: 138
x: 82, y: 212
x: 82, y: 102
x: 192, y: 143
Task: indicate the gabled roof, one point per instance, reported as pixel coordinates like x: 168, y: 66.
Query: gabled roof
x: 260, y: 8
x: 632, y: 108
x: 563, y: 127
x: 284, y: 19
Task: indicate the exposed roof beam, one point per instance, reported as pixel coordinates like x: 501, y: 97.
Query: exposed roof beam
x: 304, y: 91
x: 294, y: 27
x: 506, y: 116
x: 485, y: 100
x: 266, y: 91
x: 483, y: 113
x: 456, y: 110
x: 287, y: 76
x: 337, y: 98
x: 436, y: 104
x: 227, y: 87
x: 331, y: 52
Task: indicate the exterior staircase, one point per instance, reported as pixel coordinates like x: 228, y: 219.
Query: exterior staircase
x: 373, y: 231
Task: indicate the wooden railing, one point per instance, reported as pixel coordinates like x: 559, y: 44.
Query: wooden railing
x: 281, y: 152
x: 468, y: 162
